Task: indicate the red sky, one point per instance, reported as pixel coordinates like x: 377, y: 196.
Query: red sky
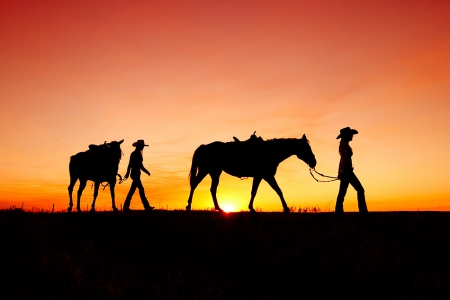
x: 183, y: 73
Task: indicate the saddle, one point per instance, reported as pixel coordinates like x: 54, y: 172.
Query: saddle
x: 253, y: 142
x: 100, y: 147
x: 253, y: 139
x: 252, y: 150
x: 96, y: 151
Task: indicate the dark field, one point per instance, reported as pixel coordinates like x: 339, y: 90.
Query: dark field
x: 206, y: 255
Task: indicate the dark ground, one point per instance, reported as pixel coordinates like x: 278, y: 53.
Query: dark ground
x: 206, y: 255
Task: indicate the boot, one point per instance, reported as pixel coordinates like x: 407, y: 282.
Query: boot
x: 362, y: 205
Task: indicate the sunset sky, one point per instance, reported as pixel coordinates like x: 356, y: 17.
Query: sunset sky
x: 179, y: 74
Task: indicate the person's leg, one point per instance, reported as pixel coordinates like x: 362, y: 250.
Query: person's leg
x: 142, y: 195
x: 126, y: 204
x: 354, y: 181
x: 343, y: 186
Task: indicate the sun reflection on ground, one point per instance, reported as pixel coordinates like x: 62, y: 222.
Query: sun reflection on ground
x: 228, y: 208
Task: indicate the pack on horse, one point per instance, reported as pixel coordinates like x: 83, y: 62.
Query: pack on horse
x: 252, y: 158
x: 99, y: 164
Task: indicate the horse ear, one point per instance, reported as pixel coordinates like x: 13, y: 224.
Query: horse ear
x: 121, y: 142
x: 304, y: 137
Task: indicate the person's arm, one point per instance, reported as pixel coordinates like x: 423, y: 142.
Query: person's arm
x: 145, y: 170
x: 141, y: 166
x: 128, y: 168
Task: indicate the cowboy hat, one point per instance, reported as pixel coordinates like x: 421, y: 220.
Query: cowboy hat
x: 139, y: 143
x: 347, y: 131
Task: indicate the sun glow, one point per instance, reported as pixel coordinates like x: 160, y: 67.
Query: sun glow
x: 228, y: 208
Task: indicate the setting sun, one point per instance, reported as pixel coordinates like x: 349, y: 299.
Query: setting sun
x: 228, y: 208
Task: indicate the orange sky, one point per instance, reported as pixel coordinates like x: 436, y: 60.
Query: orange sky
x: 181, y: 73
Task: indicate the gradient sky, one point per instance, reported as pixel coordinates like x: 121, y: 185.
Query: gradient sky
x: 183, y: 73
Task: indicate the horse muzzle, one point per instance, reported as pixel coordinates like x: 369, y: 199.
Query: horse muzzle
x: 312, y: 162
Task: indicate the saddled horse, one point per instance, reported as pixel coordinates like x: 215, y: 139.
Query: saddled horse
x: 235, y: 159
x: 99, y: 164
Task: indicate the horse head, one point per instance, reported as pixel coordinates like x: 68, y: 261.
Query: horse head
x: 305, y: 153
x: 114, y: 149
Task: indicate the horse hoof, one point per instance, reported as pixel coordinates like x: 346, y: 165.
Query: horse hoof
x: 188, y: 208
x: 286, y: 210
x: 92, y: 210
x: 69, y: 209
x: 220, y: 210
x: 115, y: 209
x: 252, y: 210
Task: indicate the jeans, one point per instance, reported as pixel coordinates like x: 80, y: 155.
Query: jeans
x: 137, y: 183
x: 346, y: 179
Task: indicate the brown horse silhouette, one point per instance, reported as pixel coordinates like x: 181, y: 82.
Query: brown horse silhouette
x: 241, y: 159
x: 99, y: 164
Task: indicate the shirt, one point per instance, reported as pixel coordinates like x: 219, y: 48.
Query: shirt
x: 345, y: 164
x: 135, y: 164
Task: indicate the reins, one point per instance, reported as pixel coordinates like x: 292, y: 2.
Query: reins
x: 318, y: 180
x: 105, y: 185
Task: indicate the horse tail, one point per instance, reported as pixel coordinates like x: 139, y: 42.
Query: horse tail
x: 194, y: 165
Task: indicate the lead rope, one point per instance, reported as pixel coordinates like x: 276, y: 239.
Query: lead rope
x: 120, y: 178
x: 332, y: 178
x: 105, y: 185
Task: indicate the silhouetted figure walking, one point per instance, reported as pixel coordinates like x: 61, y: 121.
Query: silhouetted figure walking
x: 135, y: 166
x: 346, y: 174
x: 245, y: 159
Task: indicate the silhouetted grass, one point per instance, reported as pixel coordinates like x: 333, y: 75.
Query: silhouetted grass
x: 207, y: 255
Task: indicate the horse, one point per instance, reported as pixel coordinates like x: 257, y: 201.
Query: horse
x: 238, y: 159
x: 99, y: 164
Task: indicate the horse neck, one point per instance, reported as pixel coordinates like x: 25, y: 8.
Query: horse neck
x: 110, y: 157
x: 281, y: 149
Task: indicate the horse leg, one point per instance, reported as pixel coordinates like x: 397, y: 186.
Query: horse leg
x: 214, y: 184
x: 96, y: 186
x: 273, y: 184
x: 195, y: 181
x: 70, y: 188
x: 80, y: 191
x: 255, y: 185
x: 113, y: 196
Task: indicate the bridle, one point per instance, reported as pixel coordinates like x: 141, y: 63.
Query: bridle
x: 314, y: 169
x: 318, y: 180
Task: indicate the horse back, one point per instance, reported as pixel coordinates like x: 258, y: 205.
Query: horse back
x: 86, y: 165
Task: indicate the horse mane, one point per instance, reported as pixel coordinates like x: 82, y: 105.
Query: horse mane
x: 281, y: 139
x: 285, y: 139
x: 107, y: 149
x: 277, y: 143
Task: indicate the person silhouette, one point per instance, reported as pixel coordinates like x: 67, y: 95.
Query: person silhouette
x: 346, y: 174
x: 135, y: 166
